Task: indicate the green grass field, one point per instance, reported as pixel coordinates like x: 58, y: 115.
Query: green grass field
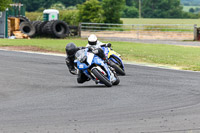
x: 160, y: 21
x: 187, y: 58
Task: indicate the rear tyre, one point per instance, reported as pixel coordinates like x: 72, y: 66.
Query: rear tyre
x: 117, y: 68
x: 101, y: 77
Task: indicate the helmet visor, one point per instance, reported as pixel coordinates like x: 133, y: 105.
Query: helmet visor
x: 92, y: 43
x: 71, y: 52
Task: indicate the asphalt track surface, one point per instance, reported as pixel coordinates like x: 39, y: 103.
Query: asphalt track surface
x: 38, y: 95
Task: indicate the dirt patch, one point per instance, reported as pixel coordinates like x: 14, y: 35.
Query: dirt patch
x: 28, y: 48
x: 149, y: 35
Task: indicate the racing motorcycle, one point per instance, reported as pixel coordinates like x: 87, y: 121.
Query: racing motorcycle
x: 114, y: 60
x: 95, y: 68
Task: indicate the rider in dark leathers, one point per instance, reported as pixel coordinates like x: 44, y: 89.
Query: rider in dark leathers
x: 71, y: 50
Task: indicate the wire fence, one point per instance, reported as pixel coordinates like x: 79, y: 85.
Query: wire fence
x: 139, y: 31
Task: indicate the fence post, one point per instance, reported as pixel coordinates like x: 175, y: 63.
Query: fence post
x: 195, y: 33
x: 79, y: 29
x: 138, y: 32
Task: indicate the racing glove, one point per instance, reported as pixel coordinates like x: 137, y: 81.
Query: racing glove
x: 94, y: 50
x: 108, y: 45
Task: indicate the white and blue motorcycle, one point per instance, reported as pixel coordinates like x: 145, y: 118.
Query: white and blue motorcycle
x: 95, y: 68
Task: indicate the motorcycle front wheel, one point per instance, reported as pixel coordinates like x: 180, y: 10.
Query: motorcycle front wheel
x: 117, y: 81
x: 101, y: 77
x: 117, y: 68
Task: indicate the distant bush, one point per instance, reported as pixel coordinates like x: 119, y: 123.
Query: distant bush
x: 33, y: 16
x: 197, y: 10
x: 190, y: 15
x: 69, y: 16
x: 192, y: 10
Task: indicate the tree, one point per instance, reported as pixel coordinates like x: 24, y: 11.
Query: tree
x: 112, y: 10
x: 130, y: 12
x: 71, y: 2
x: 192, y: 10
x: 91, y: 11
x: 161, y: 9
x: 34, y: 5
x: 58, y: 6
x: 4, y: 4
x: 136, y: 3
x: 130, y: 2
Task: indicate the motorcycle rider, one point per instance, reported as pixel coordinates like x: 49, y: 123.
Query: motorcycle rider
x: 94, y: 42
x: 71, y: 50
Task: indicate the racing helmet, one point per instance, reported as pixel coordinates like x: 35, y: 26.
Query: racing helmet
x: 71, y: 49
x: 92, y: 39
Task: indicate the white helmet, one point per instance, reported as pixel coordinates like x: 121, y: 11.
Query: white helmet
x: 92, y: 39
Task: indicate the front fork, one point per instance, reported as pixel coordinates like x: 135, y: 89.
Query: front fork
x: 100, y: 70
x: 112, y: 74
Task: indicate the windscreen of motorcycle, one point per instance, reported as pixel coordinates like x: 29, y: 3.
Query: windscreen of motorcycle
x: 106, y: 51
x: 80, y: 55
x: 90, y: 57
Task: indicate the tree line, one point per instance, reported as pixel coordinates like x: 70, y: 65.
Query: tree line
x: 34, y: 5
x: 190, y: 2
x: 110, y: 10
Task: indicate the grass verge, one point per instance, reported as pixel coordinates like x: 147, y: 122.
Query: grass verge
x: 187, y: 58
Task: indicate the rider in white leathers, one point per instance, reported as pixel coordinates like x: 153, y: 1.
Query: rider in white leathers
x: 94, y: 42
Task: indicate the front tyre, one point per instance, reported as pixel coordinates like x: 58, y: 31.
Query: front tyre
x: 117, y: 80
x: 101, y: 77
